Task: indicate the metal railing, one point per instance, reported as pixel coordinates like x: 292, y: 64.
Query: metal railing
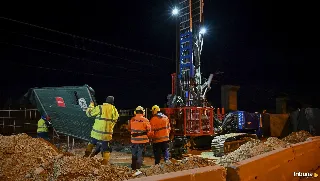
x: 19, y: 121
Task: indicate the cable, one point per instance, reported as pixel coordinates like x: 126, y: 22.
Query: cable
x: 88, y: 39
x: 71, y: 57
x: 77, y: 72
x: 91, y: 51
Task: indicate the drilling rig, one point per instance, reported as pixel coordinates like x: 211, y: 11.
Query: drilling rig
x: 192, y: 120
x: 189, y: 87
x: 187, y: 104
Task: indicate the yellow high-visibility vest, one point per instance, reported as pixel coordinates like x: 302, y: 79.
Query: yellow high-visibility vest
x: 42, y: 127
x: 106, y: 118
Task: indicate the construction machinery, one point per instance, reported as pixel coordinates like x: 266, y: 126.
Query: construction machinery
x: 193, y: 122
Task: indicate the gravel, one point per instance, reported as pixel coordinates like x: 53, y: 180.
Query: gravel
x: 26, y: 158
x: 297, y: 137
x: 185, y: 164
x: 256, y: 147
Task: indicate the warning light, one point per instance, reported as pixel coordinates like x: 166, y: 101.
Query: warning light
x: 315, y: 175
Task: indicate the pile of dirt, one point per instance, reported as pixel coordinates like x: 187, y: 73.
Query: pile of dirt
x: 21, y: 154
x: 276, y: 143
x: 256, y: 147
x: 185, y: 164
x: 77, y: 168
x: 242, y: 153
x: 26, y: 158
x: 297, y: 137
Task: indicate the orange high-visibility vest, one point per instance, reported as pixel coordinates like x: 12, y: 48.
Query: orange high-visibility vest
x: 160, y: 126
x: 140, y: 129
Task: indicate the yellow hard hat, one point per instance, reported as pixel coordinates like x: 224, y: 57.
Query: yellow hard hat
x: 155, y: 109
x: 139, y: 108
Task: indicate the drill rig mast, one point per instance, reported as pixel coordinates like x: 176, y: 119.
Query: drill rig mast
x: 192, y: 120
x: 189, y: 115
x: 190, y: 90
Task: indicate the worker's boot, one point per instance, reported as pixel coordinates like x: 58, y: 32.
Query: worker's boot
x: 89, y: 149
x: 95, y: 151
x: 106, y: 158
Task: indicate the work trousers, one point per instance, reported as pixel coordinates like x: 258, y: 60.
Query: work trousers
x: 43, y: 135
x: 137, y: 155
x: 101, y: 146
x: 161, y: 148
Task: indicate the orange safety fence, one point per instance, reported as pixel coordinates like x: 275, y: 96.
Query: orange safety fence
x: 279, y: 164
x: 216, y: 173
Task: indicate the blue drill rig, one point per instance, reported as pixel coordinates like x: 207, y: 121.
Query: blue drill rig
x: 193, y: 122
x: 189, y: 89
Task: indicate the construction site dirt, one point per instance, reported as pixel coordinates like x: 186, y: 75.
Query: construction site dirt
x: 26, y: 158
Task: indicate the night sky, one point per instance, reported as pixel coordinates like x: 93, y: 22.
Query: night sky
x: 126, y: 49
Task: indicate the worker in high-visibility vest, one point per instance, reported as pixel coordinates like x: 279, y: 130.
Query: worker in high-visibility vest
x: 160, y: 126
x: 102, y: 130
x: 140, y: 129
x: 43, y: 127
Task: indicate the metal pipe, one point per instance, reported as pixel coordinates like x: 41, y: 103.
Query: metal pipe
x: 177, y: 88
x: 14, y: 126
x: 68, y: 144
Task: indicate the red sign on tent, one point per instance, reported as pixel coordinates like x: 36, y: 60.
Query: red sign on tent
x: 60, y: 102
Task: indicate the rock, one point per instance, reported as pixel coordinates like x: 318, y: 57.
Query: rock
x: 28, y: 175
x: 96, y: 172
x: 297, y: 137
x: 256, y: 147
x: 38, y: 171
x: 184, y: 164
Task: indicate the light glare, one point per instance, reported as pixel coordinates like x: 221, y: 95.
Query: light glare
x: 203, y: 31
x: 175, y: 11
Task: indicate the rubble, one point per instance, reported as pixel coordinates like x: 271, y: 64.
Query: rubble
x: 276, y: 143
x: 242, y: 153
x: 297, y: 137
x: 26, y: 158
x: 185, y: 164
x: 77, y: 168
x: 21, y: 154
x: 256, y: 147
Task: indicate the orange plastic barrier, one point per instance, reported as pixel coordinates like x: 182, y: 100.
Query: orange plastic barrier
x: 278, y: 164
x: 216, y: 173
